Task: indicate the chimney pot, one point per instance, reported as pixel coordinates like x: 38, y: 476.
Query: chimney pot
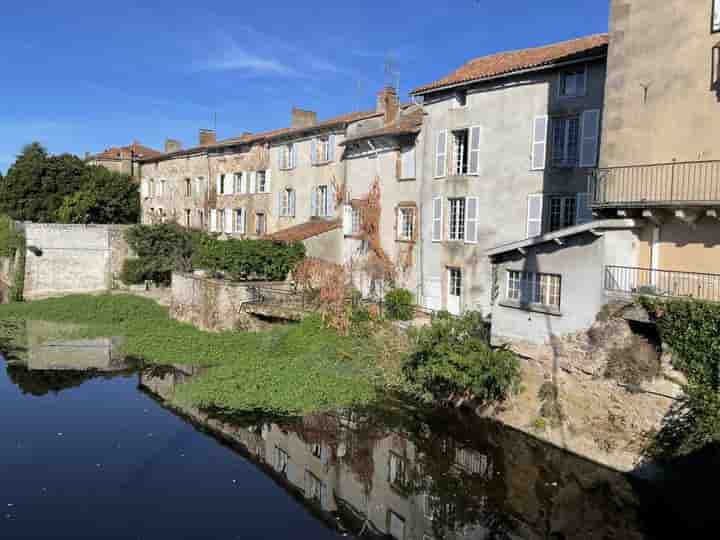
x: 388, y: 103
x: 172, y: 145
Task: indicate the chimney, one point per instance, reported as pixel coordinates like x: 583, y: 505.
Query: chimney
x: 207, y: 137
x: 388, y: 103
x: 173, y: 145
x: 303, y: 119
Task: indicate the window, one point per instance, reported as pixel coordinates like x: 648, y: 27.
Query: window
x: 314, y: 487
x: 716, y: 16
x: 397, y: 470
x: 456, y: 223
x: 473, y: 462
x: 566, y: 136
x: 316, y: 450
x: 322, y: 149
x: 288, y: 156
x: 239, y: 222
x: 287, y: 202
x: 455, y: 282
x: 222, y: 187
x: 460, y: 151
x: 407, y: 162
x: 220, y: 220
x: 356, y: 220
x: 534, y: 288
x: 460, y: 98
x: 199, y: 185
x: 261, y: 182
x: 162, y: 188
x: 321, y: 202
x: 406, y: 224
x: 239, y: 182
x: 151, y: 187
x: 188, y: 223
x: 563, y: 212
x: 188, y: 188
x: 573, y: 82
x: 201, y: 219
x: 281, y: 461
x: 260, y: 224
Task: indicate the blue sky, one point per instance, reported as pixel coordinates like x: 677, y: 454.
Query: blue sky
x: 83, y: 75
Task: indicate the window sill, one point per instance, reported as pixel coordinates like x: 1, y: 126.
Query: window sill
x: 321, y: 163
x: 404, y: 241
x: 406, y: 179
x: 536, y: 308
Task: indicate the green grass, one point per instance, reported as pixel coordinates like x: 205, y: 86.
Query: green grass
x: 294, y: 369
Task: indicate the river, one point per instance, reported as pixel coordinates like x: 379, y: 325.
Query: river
x: 90, y: 447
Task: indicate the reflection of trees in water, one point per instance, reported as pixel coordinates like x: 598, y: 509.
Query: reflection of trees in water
x: 13, y: 340
x: 41, y: 383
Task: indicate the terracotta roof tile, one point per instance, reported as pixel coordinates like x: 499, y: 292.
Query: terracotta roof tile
x: 505, y: 63
x: 139, y: 150
x: 306, y: 230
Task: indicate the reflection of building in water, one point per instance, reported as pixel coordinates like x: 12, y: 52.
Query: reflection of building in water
x: 411, y: 480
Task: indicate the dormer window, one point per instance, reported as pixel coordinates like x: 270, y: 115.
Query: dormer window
x: 573, y: 82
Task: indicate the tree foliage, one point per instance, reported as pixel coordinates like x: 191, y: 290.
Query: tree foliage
x: 161, y: 249
x: 453, y: 357
x: 399, y: 305
x: 43, y: 188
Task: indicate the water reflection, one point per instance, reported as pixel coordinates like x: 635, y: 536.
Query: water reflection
x: 400, y: 472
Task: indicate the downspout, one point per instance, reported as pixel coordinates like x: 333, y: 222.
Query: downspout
x: 421, y: 206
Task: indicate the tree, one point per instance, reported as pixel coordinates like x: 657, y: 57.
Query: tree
x: 106, y: 197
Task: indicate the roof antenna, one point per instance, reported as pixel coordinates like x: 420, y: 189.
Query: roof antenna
x: 392, y: 73
x: 215, y: 121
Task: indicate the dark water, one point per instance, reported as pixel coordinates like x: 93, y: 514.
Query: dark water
x: 96, y: 453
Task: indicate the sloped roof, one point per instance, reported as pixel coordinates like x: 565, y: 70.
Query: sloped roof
x: 409, y: 123
x: 506, y: 63
x: 306, y: 230
x: 138, y: 150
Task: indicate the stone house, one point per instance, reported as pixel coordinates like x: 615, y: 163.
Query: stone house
x: 123, y: 159
x: 508, y: 141
x: 654, y: 195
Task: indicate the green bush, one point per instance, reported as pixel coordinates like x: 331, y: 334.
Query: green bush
x: 247, y: 259
x: 399, y: 305
x: 453, y: 356
x: 162, y: 248
x: 10, y: 237
x: 133, y: 271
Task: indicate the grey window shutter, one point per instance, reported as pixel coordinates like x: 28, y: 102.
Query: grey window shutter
x: 441, y: 154
x: 331, y: 149
x: 539, y: 146
x: 534, y: 214
x: 437, y: 219
x: 583, y: 211
x: 590, y: 137
x: 313, y: 202
x: 331, y: 201
x: 471, y: 220
x: 474, y: 156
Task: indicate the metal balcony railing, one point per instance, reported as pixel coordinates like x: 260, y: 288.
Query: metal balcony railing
x: 692, y: 183
x: 646, y: 281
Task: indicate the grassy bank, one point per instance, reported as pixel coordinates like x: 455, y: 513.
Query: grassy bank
x: 290, y: 369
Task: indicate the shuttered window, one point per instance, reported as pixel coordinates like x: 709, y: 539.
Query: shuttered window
x: 474, y: 157
x: 471, y: 220
x: 407, y: 162
x: 590, y: 138
x: 566, y: 141
x: 539, y: 146
x: 437, y: 217
x: 441, y: 154
x: 456, y: 219
x: 534, y: 214
x: 240, y: 221
x: 584, y: 212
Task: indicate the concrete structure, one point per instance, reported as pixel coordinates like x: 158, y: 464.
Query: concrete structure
x: 659, y: 158
x: 63, y: 259
x: 123, y: 159
x: 508, y: 143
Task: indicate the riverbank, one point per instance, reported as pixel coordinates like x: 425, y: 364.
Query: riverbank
x: 292, y: 369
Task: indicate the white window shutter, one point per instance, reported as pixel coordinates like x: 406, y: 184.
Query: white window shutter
x: 145, y: 189
x: 268, y: 179
x: 241, y: 177
x: 407, y: 162
x: 293, y: 156
x: 229, y: 187
x: 590, y: 137
x: 213, y: 220
x: 332, y: 194
x: 313, y: 202
x: 534, y: 214
x: 583, y: 211
x: 539, y: 146
x: 471, y: 220
x: 281, y: 194
x: 313, y: 151
x: 331, y: 147
x: 251, y: 188
x: 474, y: 156
x: 437, y: 216
x: 347, y: 220
x: 218, y: 184
x: 398, y: 223
x: 441, y: 154
x: 292, y: 202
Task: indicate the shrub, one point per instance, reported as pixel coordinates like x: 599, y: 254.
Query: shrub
x: 133, y: 271
x: 162, y: 248
x: 454, y: 356
x: 399, y: 305
x: 247, y: 259
x: 10, y: 237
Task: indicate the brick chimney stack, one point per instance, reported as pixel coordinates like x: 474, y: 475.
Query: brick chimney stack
x: 388, y: 103
x: 207, y: 137
x: 302, y: 118
x: 172, y: 145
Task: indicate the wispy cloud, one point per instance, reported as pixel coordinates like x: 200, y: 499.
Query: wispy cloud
x: 233, y: 57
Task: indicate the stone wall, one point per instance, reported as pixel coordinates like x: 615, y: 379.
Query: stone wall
x: 63, y: 259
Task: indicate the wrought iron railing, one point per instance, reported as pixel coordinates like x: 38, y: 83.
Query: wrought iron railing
x: 661, y: 184
x: 670, y: 283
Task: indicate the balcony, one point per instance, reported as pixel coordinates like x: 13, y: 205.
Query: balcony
x: 628, y: 281
x: 676, y: 185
